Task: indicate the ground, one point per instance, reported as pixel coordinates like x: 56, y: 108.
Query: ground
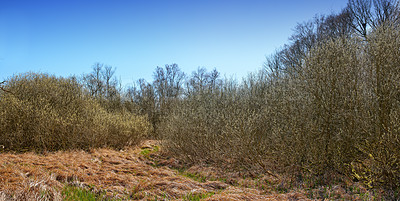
x: 138, y: 173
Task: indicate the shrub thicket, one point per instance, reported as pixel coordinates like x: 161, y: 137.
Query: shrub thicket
x: 46, y: 113
x: 326, y: 104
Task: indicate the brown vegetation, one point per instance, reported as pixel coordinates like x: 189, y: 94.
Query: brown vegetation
x: 125, y: 174
x: 326, y: 106
x: 45, y: 113
x: 323, y: 113
x: 135, y: 174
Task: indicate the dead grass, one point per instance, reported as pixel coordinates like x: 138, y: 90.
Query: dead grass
x: 125, y: 175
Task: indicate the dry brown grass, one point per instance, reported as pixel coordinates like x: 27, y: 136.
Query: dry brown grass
x: 129, y: 174
x: 125, y: 174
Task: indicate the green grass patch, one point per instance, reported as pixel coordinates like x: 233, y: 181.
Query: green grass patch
x: 72, y: 193
x: 193, y: 176
x: 197, y: 197
x: 147, y: 151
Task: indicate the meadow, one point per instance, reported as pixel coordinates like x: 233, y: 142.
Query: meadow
x: 320, y: 120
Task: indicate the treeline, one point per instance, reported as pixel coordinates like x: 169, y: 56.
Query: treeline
x: 325, y: 105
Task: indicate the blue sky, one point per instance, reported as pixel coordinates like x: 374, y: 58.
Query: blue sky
x: 66, y: 37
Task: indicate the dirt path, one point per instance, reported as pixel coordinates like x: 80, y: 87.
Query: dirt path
x: 126, y: 175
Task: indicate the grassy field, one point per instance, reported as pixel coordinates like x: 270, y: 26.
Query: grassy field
x: 145, y: 173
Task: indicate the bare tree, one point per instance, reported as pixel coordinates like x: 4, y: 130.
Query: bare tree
x: 386, y: 11
x: 367, y: 14
x: 109, y: 81
x: 168, y: 82
x: 168, y: 88
x: 202, y: 81
x: 360, y: 11
x: 308, y: 35
x: 102, y: 84
x: 93, y: 81
x: 335, y: 26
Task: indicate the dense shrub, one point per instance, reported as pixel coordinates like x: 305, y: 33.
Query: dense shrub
x: 46, y: 113
x: 327, y: 104
x: 380, y: 166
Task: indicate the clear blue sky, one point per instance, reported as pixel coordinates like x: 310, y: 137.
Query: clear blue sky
x: 66, y: 37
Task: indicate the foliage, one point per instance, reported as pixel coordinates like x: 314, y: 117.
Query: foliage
x: 46, y: 113
x: 326, y: 104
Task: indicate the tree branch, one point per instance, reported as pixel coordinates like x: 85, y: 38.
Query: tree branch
x: 2, y: 88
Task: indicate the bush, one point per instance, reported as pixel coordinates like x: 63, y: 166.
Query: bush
x: 331, y: 112
x: 46, y: 113
x: 220, y: 128
x: 379, y: 165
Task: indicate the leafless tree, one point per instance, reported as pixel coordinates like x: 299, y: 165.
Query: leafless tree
x: 360, y: 12
x: 168, y: 82
x: 385, y: 11
x: 202, y: 81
